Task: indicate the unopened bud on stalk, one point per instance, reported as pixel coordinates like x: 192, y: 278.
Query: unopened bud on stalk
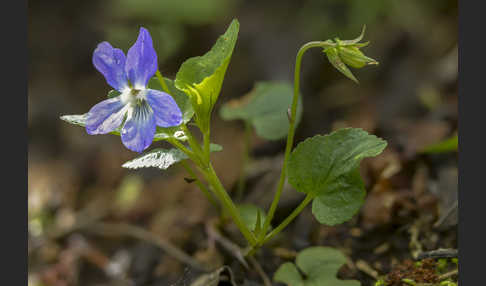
x: 353, y: 57
x: 344, y: 53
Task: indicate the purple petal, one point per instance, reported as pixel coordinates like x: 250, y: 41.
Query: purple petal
x: 105, y: 116
x: 111, y: 63
x: 141, y: 62
x: 139, y: 129
x: 166, y: 111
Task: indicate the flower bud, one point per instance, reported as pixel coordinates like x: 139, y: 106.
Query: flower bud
x: 344, y: 53
x: 337, y: 62
x: 353, y: 57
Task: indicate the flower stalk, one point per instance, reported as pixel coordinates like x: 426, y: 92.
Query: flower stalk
x: 291, y: 133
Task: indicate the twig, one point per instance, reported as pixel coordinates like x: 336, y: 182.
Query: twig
x: 85, y: 249
x: 94, y: 212
x: 415, y: 245
x: 234, y: 249
x: 438, y: 253
x: 284, y: 253
x: 446, y: 214
x: 366, y: 268
x: 259, y: 270
x: 90, y: 214
x: 449, y: 274
x: 140, y: 233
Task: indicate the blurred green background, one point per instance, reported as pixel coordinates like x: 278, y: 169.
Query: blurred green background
x: 410, y: 99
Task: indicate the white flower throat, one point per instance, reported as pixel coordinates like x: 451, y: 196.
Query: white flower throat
x: 133, y: 96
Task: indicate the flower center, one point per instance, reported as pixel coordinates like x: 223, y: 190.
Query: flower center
x: 134, y: 92
x: 133, y: 96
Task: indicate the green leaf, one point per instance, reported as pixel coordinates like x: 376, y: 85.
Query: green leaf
x: 289, y: 274
x: 162, y: 158
x: 448, y: 145
x: 341, y: 200
x: 202, y: 77
x: 318, y: 161
x: 249, y: 215
x: 320, y: 266
x: 265, y: 108
x: 258, y: 223
x: 215, y: 147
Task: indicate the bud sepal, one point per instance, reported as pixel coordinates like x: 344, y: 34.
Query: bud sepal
x: 344, y: 53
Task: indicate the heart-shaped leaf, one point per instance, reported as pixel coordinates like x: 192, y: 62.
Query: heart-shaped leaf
x: 341, y: 199
x: 320, y: 266
x: 327, y: 168
x: 318, y: 161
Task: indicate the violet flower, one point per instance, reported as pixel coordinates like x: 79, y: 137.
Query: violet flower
x: 138, y: 108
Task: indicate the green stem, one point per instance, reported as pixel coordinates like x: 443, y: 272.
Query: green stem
x: 162, y: 82
x: 282, y: 225
x: 193, y: 144
x: 289, y: 219
x: 206, y: 146
x: 244, y: 161
x: 291, y: 133
x: 227, y: 203
x: 184, y: 149
x: 207, y: 169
